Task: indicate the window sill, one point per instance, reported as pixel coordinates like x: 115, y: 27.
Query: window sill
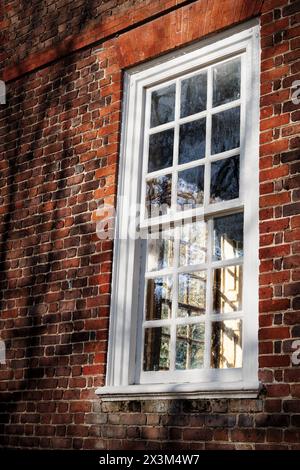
x: 179, y: 391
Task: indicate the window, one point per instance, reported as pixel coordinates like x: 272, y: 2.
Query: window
x: 185, y: 303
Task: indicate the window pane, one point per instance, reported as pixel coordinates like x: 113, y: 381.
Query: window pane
x: 228, y: 237
x: 190, y: 187
x: 226, y: 82
x: 193, y: 95
x: 225, y: 175
x: 158, y: 195
x: 225, y: 130
x: 189, y: 346
x: 162, y: 105
x: 161, y: 150
x: 157, y: 349
x: 192, y: 141
x: 191, y: 294
x: 193, y: 241
x: 159, y: 298
x: 226, y: 344
x: 227, y: 289
x: 160, y: 251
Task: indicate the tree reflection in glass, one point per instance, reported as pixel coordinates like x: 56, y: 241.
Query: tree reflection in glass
x: 156, y: 349
x: 161, y: 150
x: 225, y: 179
x: 190, y: 187
x: 191, y: 294
x: 159, y: 298
x: 193, y: 241
x: 228, y: 237
x: 226, y: 82
x: 225, y: 130
x: 226, y: 344
x: 158, y: 195
x: 193, y: 94
x: 192, y: 141
x: 160, y: 250
x: 162, y: 105
x: 189, y: 346
x: 227, y: 289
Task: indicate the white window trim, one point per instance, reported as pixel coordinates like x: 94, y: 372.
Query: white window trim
x: 120, y: 377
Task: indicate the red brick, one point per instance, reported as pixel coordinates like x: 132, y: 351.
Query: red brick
x: 274, y: 199
x: 80, y: 407
x: 274, y: 333
x: 274, y: 173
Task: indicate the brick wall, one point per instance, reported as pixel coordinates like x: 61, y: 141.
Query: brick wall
x: 33, y: 26
x: 60, y: 136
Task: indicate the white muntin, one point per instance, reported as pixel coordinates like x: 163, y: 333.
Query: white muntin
x: 2, y: 352
x: 2, y: 92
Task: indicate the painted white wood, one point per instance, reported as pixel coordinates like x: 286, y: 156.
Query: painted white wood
x: 126, y: 332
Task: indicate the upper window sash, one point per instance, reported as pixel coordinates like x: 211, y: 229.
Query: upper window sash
x: 207, y: 118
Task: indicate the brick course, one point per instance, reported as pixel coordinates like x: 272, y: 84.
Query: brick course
x: 60, y: 135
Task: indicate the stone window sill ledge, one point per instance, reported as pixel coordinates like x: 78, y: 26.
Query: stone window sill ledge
x: 178, y: 391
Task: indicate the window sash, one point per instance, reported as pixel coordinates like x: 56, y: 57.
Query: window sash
x: 208, y: 159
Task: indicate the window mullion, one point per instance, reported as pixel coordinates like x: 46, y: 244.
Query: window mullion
x: 176, y: 147
x: 209, y: 288
x: 208, y: 139
x: 177, y: 229
x: 145, y: 153
x: 174, y: 300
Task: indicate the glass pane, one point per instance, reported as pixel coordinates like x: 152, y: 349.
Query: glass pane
x: 192, y: 141
x: 160, y: 250
x: 193, y: 95
x: 161, y: 150
x: 225, y: 130
x: 159, y: 298
x: 157, y: 349
x: 228, y: 237
x: 191, y: 294
x: 189, y: 346
x: 193, y: 239
x: 162, y: 105
x: 226, y: 82
x: 158, y: 195
x: 227, y: 290
x: 225, y: 176
x: 226, y: 344
x: 190, y: 187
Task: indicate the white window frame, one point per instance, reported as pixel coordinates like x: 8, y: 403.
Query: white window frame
x: 121, y: 377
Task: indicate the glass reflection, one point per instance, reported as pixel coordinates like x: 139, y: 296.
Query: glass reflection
x: 159, y: 298
x: 226, y: 344
x: 228, y: 237
x: 226, y: 82
x: 156, y: 349
x: 191, y: 294
x: 158, y: 195
x: 227, y: 289
x: 162, y: 105
x: 160, y: 251
x: 193, y: 95
x: 192, y: 141
x: 225, y: 176
x: 190, y: 187
x: 225, y: 130
x: 161, y: 150
x: 193, y: 240
x: 189, y: 346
